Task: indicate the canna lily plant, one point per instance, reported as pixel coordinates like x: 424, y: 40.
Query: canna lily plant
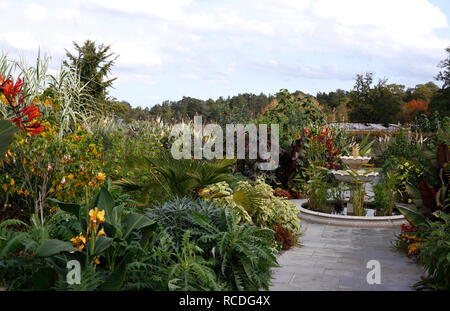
x: 102, y: 245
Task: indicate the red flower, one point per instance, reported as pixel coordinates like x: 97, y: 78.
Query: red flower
x: 25, y: 117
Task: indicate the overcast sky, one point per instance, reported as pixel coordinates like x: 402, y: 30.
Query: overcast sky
x: 206, y: 48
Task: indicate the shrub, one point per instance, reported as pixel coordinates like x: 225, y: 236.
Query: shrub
x: 385, y: 194
x: 284, y: 237
x: 110, y: 239
x: 239, y: 254
x: 434, y: 253
x: 168, y: 178
x: 255, y: 203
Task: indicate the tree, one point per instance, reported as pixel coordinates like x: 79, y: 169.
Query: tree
x: 444, y: 75
x: 380, y: 103
x: 421, y: 92
x: 93, y: 64
x: 440, y: 102
x: 360, y: 98
x: 121, y: 109
x: 333, y: 99
x: 413, y: 107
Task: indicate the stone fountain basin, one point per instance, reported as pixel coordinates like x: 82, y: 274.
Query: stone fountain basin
x: 363, y: 176
x: 355, y: 162
x: 348, y: 221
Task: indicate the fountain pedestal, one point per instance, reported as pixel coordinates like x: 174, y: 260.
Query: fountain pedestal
x: 355, y: 177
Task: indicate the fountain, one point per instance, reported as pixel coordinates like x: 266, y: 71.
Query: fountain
x: 355, y: 176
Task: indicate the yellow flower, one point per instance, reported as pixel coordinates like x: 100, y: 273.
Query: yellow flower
x: 101, y: 233
x: 5, y: 187
x: 97, y: 260
x: 26, y: 192
x: 47, y: 103
x: 4, y: 100
x: 409, y: 200
x: 79, y: 241
x: 91, y: 184
x: 96, y: 217
x: 101, y: 176
x: 70, y: 176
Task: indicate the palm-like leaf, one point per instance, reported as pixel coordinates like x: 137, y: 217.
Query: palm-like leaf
x: 176, y: 178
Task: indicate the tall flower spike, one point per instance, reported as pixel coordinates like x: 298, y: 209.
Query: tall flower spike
x: 25, y: 118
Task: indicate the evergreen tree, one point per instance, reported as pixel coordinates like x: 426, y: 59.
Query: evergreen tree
x: 93, y: 64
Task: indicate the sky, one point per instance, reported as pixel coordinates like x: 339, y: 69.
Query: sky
x: 207, y: 48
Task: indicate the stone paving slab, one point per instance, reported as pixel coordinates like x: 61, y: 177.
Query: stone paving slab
x: 334, y: 258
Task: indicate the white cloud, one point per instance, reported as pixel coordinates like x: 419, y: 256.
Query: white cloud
x: 35, y: 12
x: 400, y: 23
x: 219, y: 41
x: 21, y: 40
x: 136, y: 56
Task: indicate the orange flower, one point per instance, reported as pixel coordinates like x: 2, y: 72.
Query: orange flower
x: 79, y: 241
x: 414, y: 248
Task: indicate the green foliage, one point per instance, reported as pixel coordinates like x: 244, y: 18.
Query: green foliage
x: 401, y: 148
x: 434, y: 253
x: 317, y: 190
x: 255, y: 203
x: 432, y: 192
x: 174, y: 216
x: 292, y: 113
x: 191, y: 271
x: 385, y: 194
x: 93, y: 64
x: 379, y: 103
x: 104, y: 259
x: 169, y: 178
x: 7, y: 131
x: 205, y: 239
x: 243, y: 253
x: 429, y: 123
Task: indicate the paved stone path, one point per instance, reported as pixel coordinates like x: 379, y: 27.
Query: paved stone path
x: 335, y: 258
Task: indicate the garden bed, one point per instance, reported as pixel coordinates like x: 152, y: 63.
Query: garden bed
x: 348, y: 221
